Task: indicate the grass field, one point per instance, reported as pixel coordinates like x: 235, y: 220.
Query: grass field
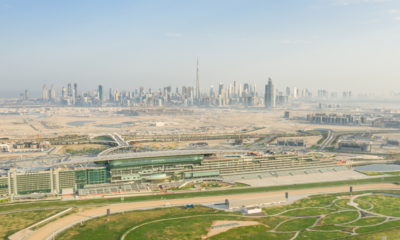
x: 296, y: 224
x: 315, y: 217
x: 381, y: 173
x: 103, y: 138
x: 13, y: 222
x: 340, y: 217
x: 117, y: 224
x: 84, y: 149
x: 386, y: 205
x: 189, y: 228
x: 367, y: 221
x: 387, y: 234
x: 253, y: 232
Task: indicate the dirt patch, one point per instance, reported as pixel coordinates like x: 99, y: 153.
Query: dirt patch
x: 221, y: 226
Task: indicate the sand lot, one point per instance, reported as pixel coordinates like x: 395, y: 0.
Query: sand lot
x: 223, y: 226
x: 58, y: 121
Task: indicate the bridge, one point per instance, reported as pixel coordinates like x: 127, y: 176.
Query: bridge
x: 121, y: 144
x: 118, y: 139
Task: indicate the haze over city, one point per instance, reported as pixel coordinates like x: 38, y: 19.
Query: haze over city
x: 334, y: 44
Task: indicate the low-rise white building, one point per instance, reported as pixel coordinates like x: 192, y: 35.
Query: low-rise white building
x: 252, y: 210
x: 4, y: 147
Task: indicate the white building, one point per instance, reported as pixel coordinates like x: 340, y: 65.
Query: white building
x: 4, y: 148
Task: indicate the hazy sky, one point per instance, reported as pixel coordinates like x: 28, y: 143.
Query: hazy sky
x: 336, y: 44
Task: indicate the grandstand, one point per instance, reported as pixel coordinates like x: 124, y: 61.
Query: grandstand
x: 146, y: 171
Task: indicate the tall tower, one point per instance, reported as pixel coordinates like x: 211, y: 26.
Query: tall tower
x: 75, y: 90
x: 45, y: 93
x: 270, y: 95
x: 75, y: 93
x: 197, y: 82
x: 69, y: 90
x: 100, y: 92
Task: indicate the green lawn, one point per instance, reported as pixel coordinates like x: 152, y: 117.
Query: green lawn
x: 307, y: 212
x: 296, y: 224
x: 381, y: 173
x: 103, y: 138
x: 383, y: 226
x: 179, y: 229
x: 117, y: 224
x: 168, y: 224
x: 251, y: 233
x: 391, y: 234
x: 187, y: 228
x: 342, y: 203
x: 386, y: 205
x: 367, y: 221
x: 272, y: 221
x: 197, y: 227
x: 339, y: 218
x: 330, y: 228
x: 86, y: 151
x: 366, y: 205
x: 13, y: 222
x: 311, y: 235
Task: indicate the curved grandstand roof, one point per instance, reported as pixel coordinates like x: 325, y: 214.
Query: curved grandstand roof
x: 138, y: 155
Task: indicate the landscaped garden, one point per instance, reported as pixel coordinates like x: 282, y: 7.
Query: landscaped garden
x: 333, y: 216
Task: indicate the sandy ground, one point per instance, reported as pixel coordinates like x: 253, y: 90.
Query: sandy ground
x: 309, y: 140
x: 54, y: 122
x: 394, y: 136
x: 58, y: 225
x: 215, y: 229
x: 6, y: 156
x: 306, y: 178
x: 184, y: 144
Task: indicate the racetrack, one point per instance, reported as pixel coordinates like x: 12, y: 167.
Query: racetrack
x: 47, y: 231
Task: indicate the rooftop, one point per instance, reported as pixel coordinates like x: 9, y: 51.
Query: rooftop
x: 138, y: 155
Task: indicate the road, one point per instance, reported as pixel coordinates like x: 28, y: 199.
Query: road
x: 328, y: 140
x: 47, y: 231
x: 118, y: 139
x: 121, y: 143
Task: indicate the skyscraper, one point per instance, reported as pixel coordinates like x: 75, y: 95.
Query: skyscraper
x: 197, y: 82
x: 75, y: 92
x: 26, y: 94
x: 52, y: 93
x: 100, y: 90
x: 269, y: 97
x: 288, y: 91
x: 45, y: 93
x: 69, y: 90
x: 110, y: 95
x: 64, y: 93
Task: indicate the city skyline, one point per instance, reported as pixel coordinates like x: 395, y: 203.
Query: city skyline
x: 232, y: 94
x: 312, y: 43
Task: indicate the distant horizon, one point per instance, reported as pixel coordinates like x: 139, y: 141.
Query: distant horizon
x: 36, y: 92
